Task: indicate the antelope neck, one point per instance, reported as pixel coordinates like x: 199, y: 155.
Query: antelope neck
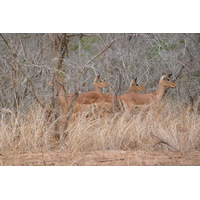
x: 160, y: 91
x: 131, y: 90
x: 96, y: 88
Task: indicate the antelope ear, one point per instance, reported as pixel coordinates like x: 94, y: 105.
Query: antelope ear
x: 164, y: 77
x: 169, y: 75
x: 135, y: 79
x: 98, y: 76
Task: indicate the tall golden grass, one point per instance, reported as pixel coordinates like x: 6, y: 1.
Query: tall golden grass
x: 169, y: 127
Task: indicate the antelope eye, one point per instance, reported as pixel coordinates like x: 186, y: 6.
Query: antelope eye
x: 137, y: 84
x: 168, y: 79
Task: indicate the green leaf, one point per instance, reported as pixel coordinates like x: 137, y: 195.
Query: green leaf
x: 182, y: 41
x: 73, y: 47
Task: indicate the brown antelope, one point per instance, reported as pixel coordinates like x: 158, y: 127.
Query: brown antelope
x: 111, y: 99
x: 135, y: 87
x: 85, y: 98
x: 130, y: 101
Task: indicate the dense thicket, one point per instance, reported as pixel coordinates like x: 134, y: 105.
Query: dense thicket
x: 29, y: 61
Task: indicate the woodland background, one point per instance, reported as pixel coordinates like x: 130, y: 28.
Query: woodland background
x: 28, y: 62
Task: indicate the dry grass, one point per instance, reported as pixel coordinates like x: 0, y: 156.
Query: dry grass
x: 167, y: 128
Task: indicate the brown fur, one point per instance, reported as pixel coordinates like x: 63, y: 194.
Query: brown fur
x: 111, y: 99
x: 85, y: 98
x: 131, y: 100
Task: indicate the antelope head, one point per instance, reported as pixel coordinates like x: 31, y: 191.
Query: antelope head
x: 134, y: 86
x: 100, y: 83
x: 166, y: 81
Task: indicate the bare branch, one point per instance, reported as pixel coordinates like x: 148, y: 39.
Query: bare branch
x: 100, y: 53
x: 161, y: 141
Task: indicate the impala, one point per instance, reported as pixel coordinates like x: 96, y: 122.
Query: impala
x: 85, y: 98
x: 130, y: 101
x: 111, y: 99
x: 135, y: 87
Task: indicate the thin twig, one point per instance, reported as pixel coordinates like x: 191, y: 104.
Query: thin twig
x: 100, y: 53
x: 161, y: 141
x: 28, y: 79
x: 5, y: 40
